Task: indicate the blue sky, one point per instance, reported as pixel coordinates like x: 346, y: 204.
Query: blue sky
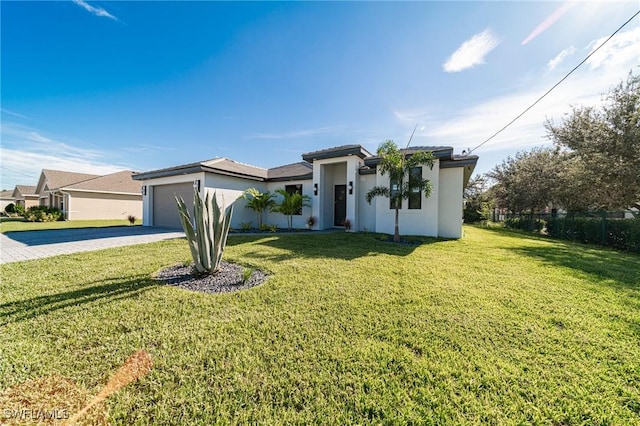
x: 97, y: 86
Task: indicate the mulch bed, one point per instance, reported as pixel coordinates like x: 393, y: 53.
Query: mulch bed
x: 227, y: 279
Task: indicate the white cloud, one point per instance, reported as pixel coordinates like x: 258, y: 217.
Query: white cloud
x: 623, y: 48
x: 25, y: 152
x: 472, y: 52
x: 561, y: 57
x: 469, y: 127
x: 98, y: 11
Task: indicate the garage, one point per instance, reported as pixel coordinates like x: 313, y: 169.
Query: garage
x: 165, y: 211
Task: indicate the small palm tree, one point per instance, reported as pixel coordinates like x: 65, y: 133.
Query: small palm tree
x: 292, y: 203
x: 258, y: 202
x: 397, y: 164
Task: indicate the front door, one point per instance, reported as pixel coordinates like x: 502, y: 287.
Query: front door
x: 339, y: 205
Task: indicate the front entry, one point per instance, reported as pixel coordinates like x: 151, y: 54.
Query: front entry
x: 339, y: 205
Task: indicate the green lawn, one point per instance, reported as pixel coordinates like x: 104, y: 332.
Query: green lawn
x: 11, y: 224
x: 497, y: 328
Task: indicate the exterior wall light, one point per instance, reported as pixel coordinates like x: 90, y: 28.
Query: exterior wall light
x: 196, y: 185
x: 350, y: 187
x: 143, y: 189
x: 315, y: 189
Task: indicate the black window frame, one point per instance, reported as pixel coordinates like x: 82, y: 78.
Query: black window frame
x: 393, y: 192
x: 292, y: 189
x: 415, y: 195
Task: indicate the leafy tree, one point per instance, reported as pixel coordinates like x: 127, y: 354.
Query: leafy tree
x: 397, y: 164
x: 476, y: 200
x: 259, y: 202
x: 528, y: 181
x: 606, y: 144
x: 291, y: 204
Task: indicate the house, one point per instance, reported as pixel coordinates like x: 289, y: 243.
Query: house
x: 26, y: 196
x: 6, y: 198
x: 336, y: 179
x: 87, y: 196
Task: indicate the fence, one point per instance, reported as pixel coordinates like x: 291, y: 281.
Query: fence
x: 619, y: 230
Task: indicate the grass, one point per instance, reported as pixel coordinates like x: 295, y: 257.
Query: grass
x: 19, y: 224
x: 493, y: 328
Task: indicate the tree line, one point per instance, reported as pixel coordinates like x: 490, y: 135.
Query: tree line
x: 593, y: 164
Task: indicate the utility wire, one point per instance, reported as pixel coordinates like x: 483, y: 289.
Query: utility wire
x: 557, y: 84
x: 17, y: 172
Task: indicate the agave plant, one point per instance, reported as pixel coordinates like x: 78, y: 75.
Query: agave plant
x: 207, y: 232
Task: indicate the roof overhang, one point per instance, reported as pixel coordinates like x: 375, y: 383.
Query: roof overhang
x: 336, y: 152
x: 438, y: 153
x: 191, y: 169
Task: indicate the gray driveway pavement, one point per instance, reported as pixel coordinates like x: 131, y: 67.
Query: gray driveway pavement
x: 27, y: 245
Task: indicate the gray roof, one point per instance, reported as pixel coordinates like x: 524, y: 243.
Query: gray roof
x: 300, y: 170
x: 120, y: 182
x: 225, y: 166
x: 338, y: 151
x: 7, y: 195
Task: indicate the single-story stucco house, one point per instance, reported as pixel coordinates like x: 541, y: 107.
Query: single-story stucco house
x: 26, y: 196
x: 335, y: 179
x: 6, y: 198
x: 87, y: 196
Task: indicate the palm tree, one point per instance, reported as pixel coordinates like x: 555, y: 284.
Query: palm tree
x: 258, y: 202
x: 402, y: 183
x: 292, y: 203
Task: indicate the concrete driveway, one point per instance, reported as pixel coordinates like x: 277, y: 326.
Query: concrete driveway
x: 27, y: 245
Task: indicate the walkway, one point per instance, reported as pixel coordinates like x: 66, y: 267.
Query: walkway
x: 27, y: 245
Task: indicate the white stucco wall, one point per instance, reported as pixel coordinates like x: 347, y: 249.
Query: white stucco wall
x: 231, y: 188
x: 326, y: 174
x: 366, y: 211
x: 450, y: 203
x: 299, y: 221
x: 423, y: 221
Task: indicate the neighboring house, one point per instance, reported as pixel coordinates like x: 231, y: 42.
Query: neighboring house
x: 26, y: 196
x: 336, y: 179
x: 6, y: 198
x: 86, y: 196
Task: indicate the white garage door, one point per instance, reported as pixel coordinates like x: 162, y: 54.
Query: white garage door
x: 165, y: 211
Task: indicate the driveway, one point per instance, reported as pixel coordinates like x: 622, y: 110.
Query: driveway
x: 27, y: 245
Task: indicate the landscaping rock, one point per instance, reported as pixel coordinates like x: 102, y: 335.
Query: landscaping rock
x: 228, y: 279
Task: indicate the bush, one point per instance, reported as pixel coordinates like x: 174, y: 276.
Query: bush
x: 43, y: 214
x: 621, y: 234
x: 526, y: 223
x: 11, y: 208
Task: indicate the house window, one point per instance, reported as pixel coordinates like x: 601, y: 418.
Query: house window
x: 395, y: 190
x: 415, y: 197
x: 294, y: 189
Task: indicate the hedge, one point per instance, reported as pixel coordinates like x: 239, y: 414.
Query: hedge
x: 621, y: 234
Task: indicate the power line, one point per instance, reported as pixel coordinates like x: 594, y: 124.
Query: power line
x: 557, y: 84
x: 17, y: 172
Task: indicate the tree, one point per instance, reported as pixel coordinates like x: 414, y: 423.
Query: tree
x: 606, y: 145
x: 527, y: 182
x: 291, y: 204
x: 476, y: 200
x: 258, y: 202
x: 398, y: 164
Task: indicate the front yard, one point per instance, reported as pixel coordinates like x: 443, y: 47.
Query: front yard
x: 495, y: 328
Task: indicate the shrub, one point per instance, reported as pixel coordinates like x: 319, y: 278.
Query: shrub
x: 246, y: 226
x: 526, y: 223
x: 43, y: 214
x: 207, y: 232
x: 621, y: 234
x: 11, y: 208
x: 132, y: 219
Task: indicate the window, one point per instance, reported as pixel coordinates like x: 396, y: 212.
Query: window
x: 395, y: 190
x: 294, y: 189
x: 415, y: 197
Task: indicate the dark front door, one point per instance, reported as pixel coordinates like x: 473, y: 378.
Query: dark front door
x: 339, y: 205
